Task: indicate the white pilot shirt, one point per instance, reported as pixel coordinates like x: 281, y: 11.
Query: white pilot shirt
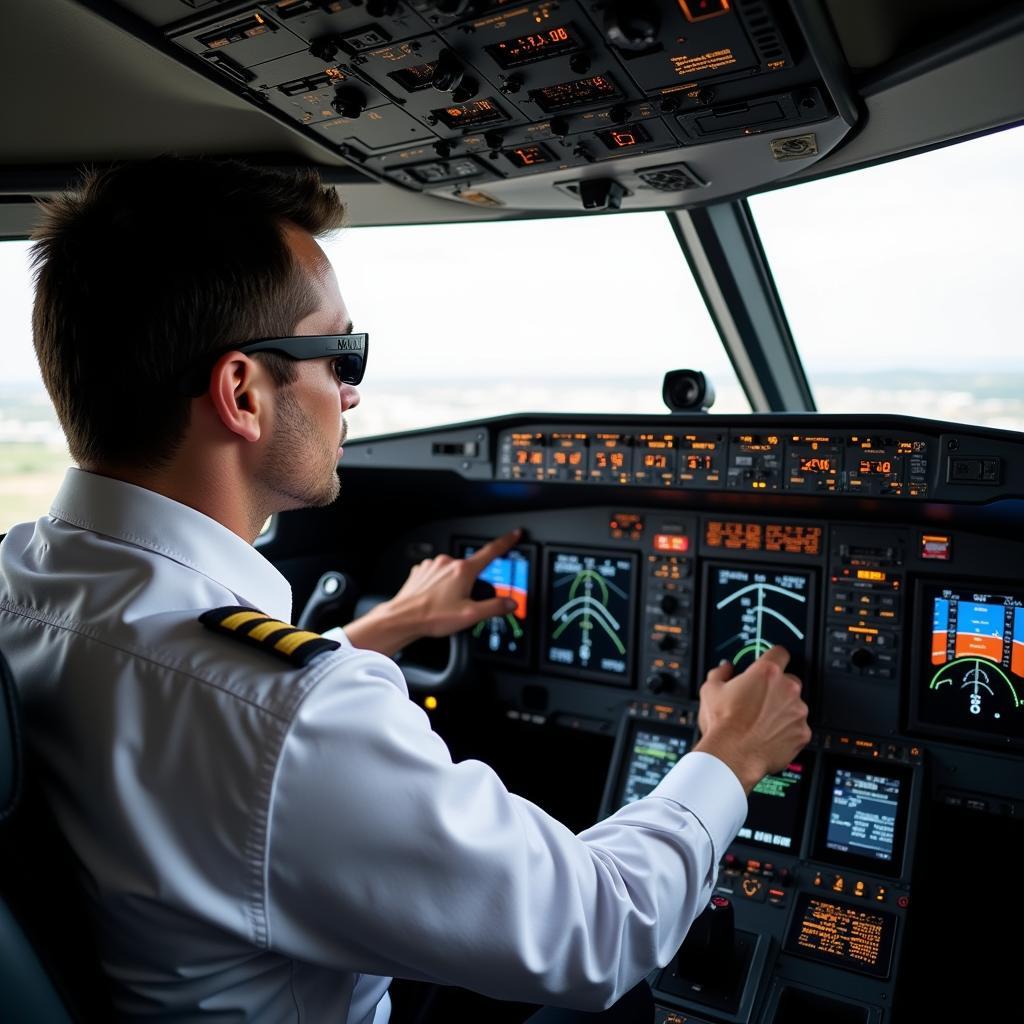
x: 268, y: 843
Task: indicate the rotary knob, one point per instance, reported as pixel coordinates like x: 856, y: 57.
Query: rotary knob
x: 580, y: 63
x: 631, y: 24
x: 660, y: 682
x: 466, y: 89
x: 349, y: 102
x: 668, y: 603
x: 862, y: 658
x: 559, y: 127
x: 667, y: 642
x: 326, y: 48
x: 448, y: 72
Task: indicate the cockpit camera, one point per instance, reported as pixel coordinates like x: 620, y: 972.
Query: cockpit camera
x: 688, y: 391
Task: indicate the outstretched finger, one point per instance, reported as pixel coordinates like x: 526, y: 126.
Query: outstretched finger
x: 479, y: 560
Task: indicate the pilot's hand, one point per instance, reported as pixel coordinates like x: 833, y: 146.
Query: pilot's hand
x: 434, y: 601
x: 755, y: 722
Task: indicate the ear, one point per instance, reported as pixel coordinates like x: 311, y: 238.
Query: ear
x: 238, y: 392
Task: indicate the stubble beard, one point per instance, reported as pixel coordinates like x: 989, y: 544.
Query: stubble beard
x: 301, y: 463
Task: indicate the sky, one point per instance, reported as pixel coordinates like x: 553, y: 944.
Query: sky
x: 910, y: 265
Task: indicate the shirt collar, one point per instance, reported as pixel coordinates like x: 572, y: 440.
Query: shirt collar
x: 149, y: 520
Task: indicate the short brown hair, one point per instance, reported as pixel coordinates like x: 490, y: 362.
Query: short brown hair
x: 145, y: 270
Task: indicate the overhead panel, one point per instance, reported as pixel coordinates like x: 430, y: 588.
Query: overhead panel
x: 627, y: 104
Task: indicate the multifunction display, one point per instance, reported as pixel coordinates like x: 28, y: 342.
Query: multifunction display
x: 505, y: 636
x: 975, y: 675
x: 750, y: 609
x: 841, y: 934
x: 862, y: 818
x: 862, y: 815
x: 775, y: 807
x: 650, y: 754
x: 589, y: 613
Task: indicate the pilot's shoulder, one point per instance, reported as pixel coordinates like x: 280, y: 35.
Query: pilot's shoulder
x: 265, y: 662
x: 296, y: 646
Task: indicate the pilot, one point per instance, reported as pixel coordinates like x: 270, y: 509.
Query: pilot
x: 268, y: 827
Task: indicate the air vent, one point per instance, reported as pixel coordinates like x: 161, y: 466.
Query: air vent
x: 670, y: 178
x: 764, y: 34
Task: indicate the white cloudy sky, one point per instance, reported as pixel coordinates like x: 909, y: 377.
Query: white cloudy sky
x: 912, y: 264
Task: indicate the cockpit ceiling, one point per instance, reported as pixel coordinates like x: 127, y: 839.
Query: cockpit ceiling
x: 613, y: 118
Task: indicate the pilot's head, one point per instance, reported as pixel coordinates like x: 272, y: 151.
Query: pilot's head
x: 148, y: 278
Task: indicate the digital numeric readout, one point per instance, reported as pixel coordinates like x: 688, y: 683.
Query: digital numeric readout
x: 548, y: 42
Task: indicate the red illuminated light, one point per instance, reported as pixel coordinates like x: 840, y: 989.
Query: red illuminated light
x: 675, y: 543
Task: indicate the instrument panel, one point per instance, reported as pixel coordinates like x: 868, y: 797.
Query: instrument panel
x: 883, y: 553
x: 650, y: 600
x: 862, y: 464
x: 617, y: 104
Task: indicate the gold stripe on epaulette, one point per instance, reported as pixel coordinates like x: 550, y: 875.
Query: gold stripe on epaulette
x: 287, y: 644
x: 264, y: 629
x: 259, y: 630
x: 240, y: 619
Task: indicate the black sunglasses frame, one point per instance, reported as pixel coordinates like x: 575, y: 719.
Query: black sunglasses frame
x: 349, y: 350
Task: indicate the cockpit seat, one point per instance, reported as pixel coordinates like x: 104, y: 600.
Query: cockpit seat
x: 43, y: 979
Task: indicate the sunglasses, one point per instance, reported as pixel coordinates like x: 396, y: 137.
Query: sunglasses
x: 347, y: 353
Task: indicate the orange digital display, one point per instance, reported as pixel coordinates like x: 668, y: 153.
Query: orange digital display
x: 818, y: 464
x: 842, y: 934
x: 549, y: 42
x: 611, y: 458
x: 655, y: 459
x: 792, y: 539
x: 576, y: 93
x: 624, y: 138
x: 787, y: 538
x: 566, y: 457
x: 733, y: 536
x: 526, y: 456
x: 528, y: 156
x: 474, y: 114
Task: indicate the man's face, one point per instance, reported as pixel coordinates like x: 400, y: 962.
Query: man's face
x: 300, y: 463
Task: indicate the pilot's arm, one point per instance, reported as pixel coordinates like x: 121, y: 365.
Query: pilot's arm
x: 386, y: 858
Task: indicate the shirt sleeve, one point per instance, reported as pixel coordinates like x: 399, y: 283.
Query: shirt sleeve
x: 338, y: 634
x: 385, y: 857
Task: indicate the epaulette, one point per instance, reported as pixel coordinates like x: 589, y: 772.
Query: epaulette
x: 295, y: 645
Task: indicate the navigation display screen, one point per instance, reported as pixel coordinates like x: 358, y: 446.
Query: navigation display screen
x: 504, y: 636
x: 840, y: 934
x: 973, y: 680
x: 750, y: 609
x: 588, y: 623
x: 651, y: 751
x: 775, y: 807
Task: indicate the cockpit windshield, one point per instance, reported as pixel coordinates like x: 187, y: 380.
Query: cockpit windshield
x: 942, y: 228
